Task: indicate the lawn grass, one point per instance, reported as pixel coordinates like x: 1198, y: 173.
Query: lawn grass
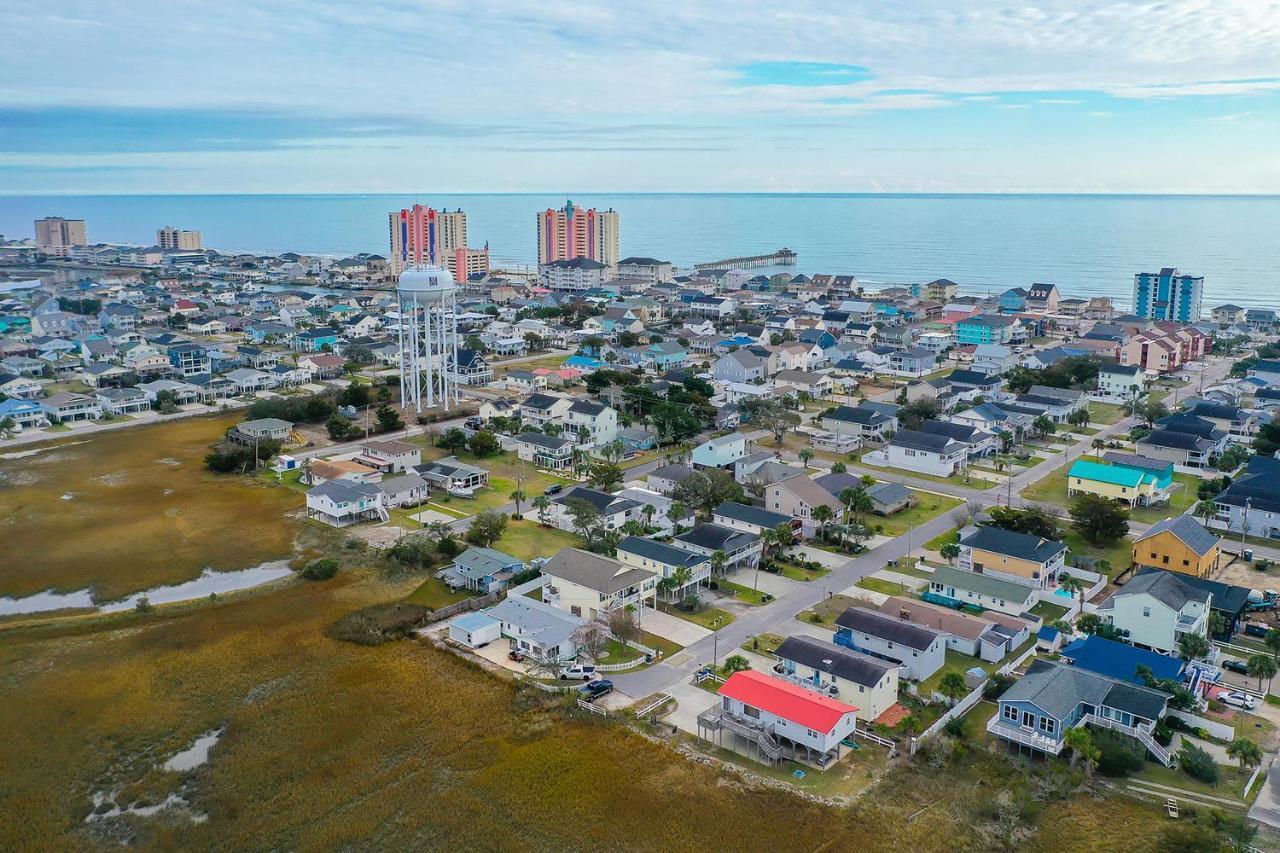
x: 711, y: 618
x: 801, y: 573
x: 763, y: 644
x: 1118, y: 554
x: 745, y: 594
x: 504, y: 468
x: 1107, y: 413
x: 1048, y: 611
x: 955, y: 662
x: 616, y: 651
x: 527, y: 539
x: 1230, y: 784
x: 664, y: 647
x: 944, y: 538
x: 1052, y: 489
x: 829, y: 608
x: 976, y: 483
x: 928, y: 507
x: 883, y: 586
x: 434, y: 593
x: 975, y: 722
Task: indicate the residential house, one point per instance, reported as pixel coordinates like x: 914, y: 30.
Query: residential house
x: 1121, y: 382
x: 749, y: 519
x: 664, y: 479
x: 1229, y: 601
x: 1156, y: 610
x: 403, y: 490
x: 719, y: 452
x: 744, y: 365
x: 922, y: 452
x: 980, y: 444
x: 66, y: 407
x: 955, y: 587
x: 1179, y: 544
x: 593, y: 586
x: 1182, y: 444
x: 26, y: 414
x: 189, y: 359
x: 1121, y: 661
x: 1008, y: 555
x: 990, y: 637
x: 920, y: 651
x: 21, y: 387
x: 869, y: 683
x: 591, y: 423
x: 666, y: 560
x: 971, y: 383
x: 482, y: 570
x: 741, y: 549
x: 1052, y: 698
x: 987, y: 329
x: 319, y: 339
x: 340, y: 503
x: 545, y: 451
x: 538, y: 629
x: 816, y: 385
x: 913, y: 361
x: 1251, y: 504
x: 320, y: 365
x: 448, y: 474
x: 1043, y: 298
x: 782, y: 719
x: 1227, y: 315
x: 541, y: 409
x: 799, y: 497
x: 390, y: 455
x: 1239, y: 424
x: 614, y: 510
x: 1135, y: 485
x: 862, y: 421
x: 123, y: 401
x: 262, y: 429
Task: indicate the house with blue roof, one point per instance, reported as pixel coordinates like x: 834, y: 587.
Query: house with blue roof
x: 1119, y: 660
x: 585, y: 363
x: 1134, y: 485
x: 26, y: 414
x: 315, y: 340
x: 482, y: 570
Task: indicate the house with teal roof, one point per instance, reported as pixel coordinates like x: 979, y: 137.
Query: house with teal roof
x: 1134, y: 484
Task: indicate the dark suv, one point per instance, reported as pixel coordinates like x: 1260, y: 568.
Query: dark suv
x: 593, y: 690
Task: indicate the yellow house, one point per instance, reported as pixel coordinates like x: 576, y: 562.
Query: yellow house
x: 1019, y: 557
x: 1134, y: 485
x: 1179, y: 544
x: 592, y: 586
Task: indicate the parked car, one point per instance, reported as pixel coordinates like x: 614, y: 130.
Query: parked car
x: 1235, y: 665
x: 553, y: 489
x: 1238, y: 700
x: 595, y: 689
x: 516, y: 656
x: 474, y: 423
x: 579, y: 671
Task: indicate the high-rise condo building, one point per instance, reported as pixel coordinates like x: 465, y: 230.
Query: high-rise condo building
x: 571, y: 232
x: 422, y: 235
x: 55, y: 236
x: 1168, y: 295
x: 169, y: 237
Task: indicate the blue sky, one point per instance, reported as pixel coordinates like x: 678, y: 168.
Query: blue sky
x: 707, y: 95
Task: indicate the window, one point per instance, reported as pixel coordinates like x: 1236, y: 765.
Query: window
x: 1146, y: 611
x: 753, y: 713
x: 1010, y: 713
x: 1165, y: 560
x: 1048, y: 725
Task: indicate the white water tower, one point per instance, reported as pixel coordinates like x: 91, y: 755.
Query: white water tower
x: 428, y: 337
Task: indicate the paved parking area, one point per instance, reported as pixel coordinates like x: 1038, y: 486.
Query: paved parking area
x: 775, y: 585
x: 670, y: 627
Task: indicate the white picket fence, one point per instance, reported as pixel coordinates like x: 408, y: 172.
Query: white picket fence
x: 592, y: 707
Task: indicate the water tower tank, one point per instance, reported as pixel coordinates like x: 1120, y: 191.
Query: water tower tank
x: 427, y: 284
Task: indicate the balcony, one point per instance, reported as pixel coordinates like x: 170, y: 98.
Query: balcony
x: 1024, y: 735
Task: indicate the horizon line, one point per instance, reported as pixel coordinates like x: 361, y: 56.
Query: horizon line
x: 770, y: 193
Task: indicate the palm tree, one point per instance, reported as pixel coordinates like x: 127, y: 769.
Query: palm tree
x: 805, y: 455
x: 949, y: 551
x: 648, y: 511
x: 542, y: 503
x: 1245, y: 751
x: 1073, y: 585
x: 719, y: 563
x: 517, y: 496
x: 1260, y: 667
x: 680, y: 578
x: 952, y: 685
x: 823, y: 516
x: 1206, y: 509
x: 1081, y: 743
x: 1272, y: 641
x: 784, y: 535
x: 1192, y: 647
x: 675, y: 512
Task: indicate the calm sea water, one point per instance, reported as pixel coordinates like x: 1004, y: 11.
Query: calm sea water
x: 1088, y: 245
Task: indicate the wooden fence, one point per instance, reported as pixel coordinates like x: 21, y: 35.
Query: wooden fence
x: 474, y: 603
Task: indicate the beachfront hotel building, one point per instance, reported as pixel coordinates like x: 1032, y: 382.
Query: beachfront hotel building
x: 55, y: 236
x: 425, y: 236
x: 572, y: 232
x: 1168, y: 295
x: 169, y: 237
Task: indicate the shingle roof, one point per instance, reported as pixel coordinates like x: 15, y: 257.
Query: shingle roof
x: 1024, y: 546
x: 716, y: 537
x: 751, y: 514
x: 1189, y: 531
x: 1058, y: 689
x: 594, y: 571
x: 916, y: 440
x: 837, y: 660
x: 983, y: 584
x: 1165, y: 588
x: 660, y: 551
x: 886, y: 628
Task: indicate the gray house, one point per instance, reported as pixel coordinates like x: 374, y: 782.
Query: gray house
x: 921, y: 651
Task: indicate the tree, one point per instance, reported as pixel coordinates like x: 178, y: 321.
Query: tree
x: 1206, y: 509
x: 1192, y: 647
x: 950, y: 551
x: 1149, y: 411
x: 483, y: 443
x: 1260, y: 667
x: 339, y: 428
x: 1091, y: 623
x: 770, y: 415
x: 823, y: 514
x: 8, y: 426
x: 1073, y: 585
x: 1272, y: 641
x: 952, y: 685
x: 453, y: 439
x: 542, y: 504
x: 1245, y: 751
x: 677, y: 581
x: 1079, y: 418
x: 590, y: 525
x: 622, y: 622
x: 389, y: 419
x: 912, y: 415
x: 705, y: 490
x: 1044, y: 425
x: 673, y: 423
x: 1081, y: 742
x: 805, y: 455
x: 354, y: 395
x: 517, y: 496
x: 1033, y: 520
x: 487, y: 527
x: 735, y: 663
x: 605, y: 476
x: 839, y: 468
x: 1101, y: 521
x: 719, y: 563
x: 856, y: 501
x: 166, y: 403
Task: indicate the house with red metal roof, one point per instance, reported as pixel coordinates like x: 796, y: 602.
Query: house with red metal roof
x: 776, y: 719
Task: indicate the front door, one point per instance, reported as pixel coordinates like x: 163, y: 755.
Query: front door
x: 1028, y: 719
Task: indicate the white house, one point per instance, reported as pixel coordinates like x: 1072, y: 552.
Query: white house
x: 339, y: 503
x: 1156, y: 609
x: 592, y: 586
x: 1119, y: 381
x: 720, y: 452
x: 593, y: 424
x: 921, y: 651
x: 869, y: 683
x: 539, y: 629
x: 923, y: 452
x: 666, y: 560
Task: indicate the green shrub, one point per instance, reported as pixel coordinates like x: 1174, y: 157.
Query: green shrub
x: 321, y: 570
x: 1197, y: 763
x: 955, y: 728
x: 449, y: 548
x: 1120, y: 755
x: 379, y: 624
x: 1163, y: 733
x: 996, y: 686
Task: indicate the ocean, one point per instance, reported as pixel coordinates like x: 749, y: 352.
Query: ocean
x: 1089, y: 245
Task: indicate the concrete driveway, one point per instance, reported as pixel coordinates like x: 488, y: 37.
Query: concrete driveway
x: 1266, y: 809
x: 826, y: 558
x: 672, y: 628
x: 775, y: 585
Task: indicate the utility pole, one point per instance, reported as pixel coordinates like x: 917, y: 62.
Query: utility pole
x: 1244, y: 525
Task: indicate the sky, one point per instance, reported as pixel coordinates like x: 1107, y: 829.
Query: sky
x: 186, y: 96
